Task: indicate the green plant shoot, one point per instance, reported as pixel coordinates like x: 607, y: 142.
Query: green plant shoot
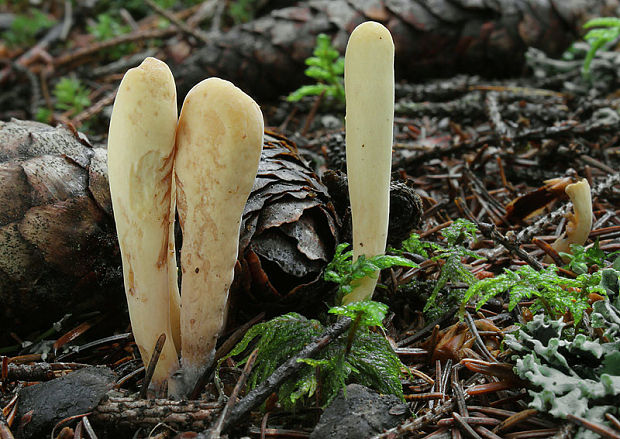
x: 552, y: 293
x: 71, y: 95
x: 607, y: 31
x: 25, y: 28
x: 327, y: 67
x: 369, y: 312
x: 414, y: 245
x: 451, y: 255
x: 44, y: 115
x: 344, y: 272
x: 582, y: 259
x: 241, y: 11
x: 108, y: 27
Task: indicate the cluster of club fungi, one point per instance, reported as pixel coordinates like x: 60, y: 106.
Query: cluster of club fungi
x: 203, y: 164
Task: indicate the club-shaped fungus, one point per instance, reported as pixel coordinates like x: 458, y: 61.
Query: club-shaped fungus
x: 580, y: 222
x: 219, y: 141
x: 369, y: 91
x: 140, y: 162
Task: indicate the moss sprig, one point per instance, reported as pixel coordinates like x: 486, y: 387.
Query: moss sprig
x: 362, y: 356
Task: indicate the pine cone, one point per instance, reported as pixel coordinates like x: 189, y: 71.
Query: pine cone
x: 406, y: 208
x: 58, y: 251
x: 289, y: 232
x: 335, y: 152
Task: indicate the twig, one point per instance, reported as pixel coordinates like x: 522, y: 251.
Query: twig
x: 351, y: 335
x: 426, y: 396
x: 128, y: 19
x: 177, y: 22
x: 422, y: 332
x: 526, y: 234
x: 77, y: 434
x: 134, y: 413
x: 205, y: 10
x: 35, y: 89
x: 5, y: 431
x: 277, y: 432
x: 312, y: 114
x: 217, y: 429
x: 52, y: 35
x: 263, y: 425
x: 611, y: 418
x: 122, y: 64
x: 463, y: 425
x: 442, y: 433
x: 597, y: 164
x: 491, y: 232
x: 12, y: 407
x: 404, y: 429
x: 121, y: 39
x: 95, y: 343
x: 216, y: 21
x: 550, y: 251
x: 284, y: 372
x: 504, y: 133
x: 64, y: 421
x: 481, y: 188
x: 600, y: 429
x: 486, y: 433
x: 89, y: 428
x: 446, y: 377
x: 38, y: 371
x: 529, y: 434
x: 67, y: 21
x: 502, y: 173
x: 514, y: 420
x: 471, y: 420
x: 419, y: 374
x: 457, y: 391
x: 94, y: 109
x: 492, y: 411
x: 606, y: 185
x: 150, y: 370
x: 438, y: 379
x: 477, y: 339
x: 120, y: 382
x: 223, y: 350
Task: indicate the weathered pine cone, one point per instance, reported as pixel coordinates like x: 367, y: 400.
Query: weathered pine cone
x: 58, y: 249
x: 289, y: 231
x: 406, y: 208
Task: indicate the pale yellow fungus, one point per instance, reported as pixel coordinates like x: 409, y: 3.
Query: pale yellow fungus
x: 219, y: 141
x: 369, y: 91
x: 140, y: 160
